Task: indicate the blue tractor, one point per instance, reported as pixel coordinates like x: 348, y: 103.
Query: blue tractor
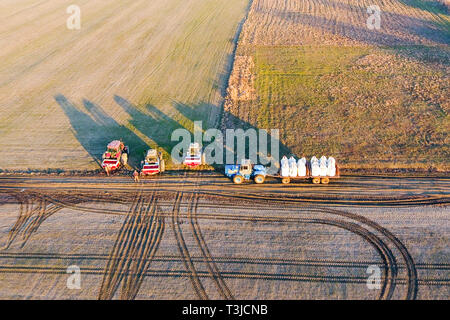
x: 245, y: 171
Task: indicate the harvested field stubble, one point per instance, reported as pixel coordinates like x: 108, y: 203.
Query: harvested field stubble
x: 65, y: 93
x: 372, y: 98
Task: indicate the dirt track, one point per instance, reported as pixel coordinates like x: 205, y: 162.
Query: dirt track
x: 224, y: 241
x: 349, y: 190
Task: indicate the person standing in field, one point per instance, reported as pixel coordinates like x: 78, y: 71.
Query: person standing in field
x: 136, y: 176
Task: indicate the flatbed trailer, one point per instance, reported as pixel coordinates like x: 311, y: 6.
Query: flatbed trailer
x: 314, y: 179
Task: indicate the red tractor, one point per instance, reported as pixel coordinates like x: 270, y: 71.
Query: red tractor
x: 115, y: 156
x: 153, y: 163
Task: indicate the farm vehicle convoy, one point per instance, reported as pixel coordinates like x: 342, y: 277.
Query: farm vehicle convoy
x: 319, y: 171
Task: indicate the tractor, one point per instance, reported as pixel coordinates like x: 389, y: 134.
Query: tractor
x: 245, y: 171
x: 153, y: 163
x: 115, y: 156
x: 194, y: 156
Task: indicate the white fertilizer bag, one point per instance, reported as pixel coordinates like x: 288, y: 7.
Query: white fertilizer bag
x: 284, y: 167
x: 315, y: 168
x: 292, y: 167
x: 331, y: 167
x: 323, y: 166
x: 301, y: 167
x: 284, y: 161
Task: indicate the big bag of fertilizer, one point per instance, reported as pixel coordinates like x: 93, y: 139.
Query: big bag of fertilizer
x: 315, y: 168
x: 292, y: 167
x: 284, y: 161
x: 284, y: 167
x: 331, y: 167
x: 301, y: 167
x: 323, y: 166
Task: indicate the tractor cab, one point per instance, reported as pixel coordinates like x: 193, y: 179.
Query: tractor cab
x: 152, y: 156
x: 246, y: 168
x: 113, y: 150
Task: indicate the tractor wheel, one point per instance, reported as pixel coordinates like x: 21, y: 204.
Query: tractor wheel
x: 325, y: 180
x: 237, y: 179
x: 285, y: 180
x: 124, y: 159
x: 162, y: 166
x: 259, y: 179
x: 316, y: 180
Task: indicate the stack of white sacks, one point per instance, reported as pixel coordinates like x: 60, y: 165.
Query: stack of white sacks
x: 292, y: 168
x: 323, y: 167
x: 319, y: 168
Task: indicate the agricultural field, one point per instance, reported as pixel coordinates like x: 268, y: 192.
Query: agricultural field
x: 371, y: 98
x: 206, y: 238
x: 64, y: 94
x: 137, y: 70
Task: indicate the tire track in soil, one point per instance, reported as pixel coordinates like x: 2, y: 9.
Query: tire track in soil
x: 220, y: 283
x: 378, y: 243
x: 241, y: 259
x: 134, y: 249
x: 31, y: 216
x: 184, y: 252
x: 144, y: 256
x: 112, y: 274
x: 412, y: 272
x: 299, y: 277
x: 367, y: 201
x: 411, y: 268
x: 410, y: 265
x: 389, y: 260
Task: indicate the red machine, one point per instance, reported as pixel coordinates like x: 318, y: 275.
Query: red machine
x: 153, y: 163
x: 194, y: 156
x: 115, y: 156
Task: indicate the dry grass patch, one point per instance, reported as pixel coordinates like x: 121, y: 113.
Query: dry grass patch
x: 371, y: 98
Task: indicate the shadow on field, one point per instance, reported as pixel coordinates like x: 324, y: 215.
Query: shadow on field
x: 230, y: 121
x: 158, y: 126
x: 94, y: 128
x: 433, y: 6
x: 390, y: 34
x: 152, y: 122
x: 418, y: 27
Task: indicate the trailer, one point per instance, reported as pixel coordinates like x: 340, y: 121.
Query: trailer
x: 153, y: 163
x: 317, y: 178
x: 314, y: 179
x: 245, y: 172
